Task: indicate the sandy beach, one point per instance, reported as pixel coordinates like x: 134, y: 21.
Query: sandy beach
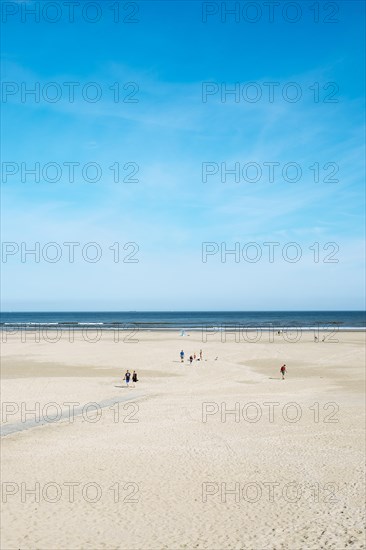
x: 220, y: 454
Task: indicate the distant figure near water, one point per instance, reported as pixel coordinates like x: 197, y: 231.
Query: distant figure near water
x: 283, y: 371
x: 182, y: 356
x: 134, y: 376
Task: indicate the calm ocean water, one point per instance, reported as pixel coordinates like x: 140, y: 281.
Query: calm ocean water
x: 191, y: 320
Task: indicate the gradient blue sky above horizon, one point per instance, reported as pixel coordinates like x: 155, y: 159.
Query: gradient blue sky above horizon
x: 169, y: 133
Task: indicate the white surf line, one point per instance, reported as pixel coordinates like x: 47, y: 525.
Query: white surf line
x: 77, y: 411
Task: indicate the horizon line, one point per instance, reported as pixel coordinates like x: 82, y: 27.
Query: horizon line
x: 186, y: 311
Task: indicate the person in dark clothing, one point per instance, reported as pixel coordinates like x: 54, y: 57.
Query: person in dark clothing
x: 283, y: 371
x: 127, y: 377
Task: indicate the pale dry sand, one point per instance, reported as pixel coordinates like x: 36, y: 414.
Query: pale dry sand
x: 171, y: 458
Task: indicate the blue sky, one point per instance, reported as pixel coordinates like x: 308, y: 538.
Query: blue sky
x: 169, y: 132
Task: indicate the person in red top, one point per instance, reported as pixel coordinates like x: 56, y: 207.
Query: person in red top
x: 283, y: 371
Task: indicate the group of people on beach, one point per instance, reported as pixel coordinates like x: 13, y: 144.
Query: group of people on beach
x: 127, y: 377
x: 191, y: 357
x: 283, y: 369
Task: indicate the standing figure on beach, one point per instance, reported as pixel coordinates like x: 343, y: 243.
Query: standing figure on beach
x: 190, y: 359
x: 134, y: 376
x: 283, y: 371
x: 200, y: 355
x: 127, y: 377
x: 182, y: 356
x: 194, y: 356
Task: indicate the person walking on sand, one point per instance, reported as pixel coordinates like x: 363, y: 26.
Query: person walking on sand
x: 283, y: 371
x: 134, y: 376
x: 190, y: 359
x: 194, y: 356
x: 127, y: 377
x: 200, y: 355
x: 182, y: 356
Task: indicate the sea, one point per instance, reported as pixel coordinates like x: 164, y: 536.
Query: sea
x: 184, y: 320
